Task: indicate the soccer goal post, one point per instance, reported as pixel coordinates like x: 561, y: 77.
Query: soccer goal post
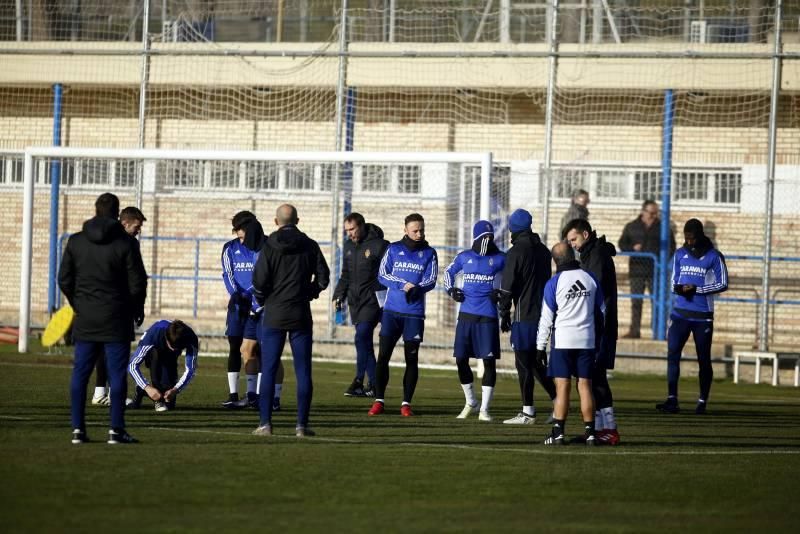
x: 189, y: 196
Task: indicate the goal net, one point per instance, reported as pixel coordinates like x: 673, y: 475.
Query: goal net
x: 189, y: 197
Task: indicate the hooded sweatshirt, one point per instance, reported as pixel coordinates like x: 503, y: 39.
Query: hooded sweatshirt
x: 527, y: 270
x: 290, y: 272
x: 359, y: 281
x: 704, y: 267
x: 481, y: 269
x: 597, y: 257
x: 238, y: 261
x: 103, y: 277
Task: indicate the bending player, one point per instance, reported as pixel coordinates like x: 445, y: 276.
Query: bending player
x: 241, y: 325
x: 408, y: 270
x: 159, y: 349
x: 477, y: 330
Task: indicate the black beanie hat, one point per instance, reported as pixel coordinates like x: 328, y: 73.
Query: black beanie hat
x: 694, y: 226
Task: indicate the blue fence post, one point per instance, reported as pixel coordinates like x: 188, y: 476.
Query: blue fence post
x: 196, y: 275
x: 666, y: 194
x: 55, y: 183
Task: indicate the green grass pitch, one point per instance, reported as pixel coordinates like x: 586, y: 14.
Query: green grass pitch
x: 199, y: 469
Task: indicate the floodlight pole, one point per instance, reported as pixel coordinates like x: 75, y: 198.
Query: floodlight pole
x: 763, y: 337
x: 145, y: 74
x: 552, y: 61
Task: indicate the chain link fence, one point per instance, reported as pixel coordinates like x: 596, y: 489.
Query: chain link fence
x: 566, y: 95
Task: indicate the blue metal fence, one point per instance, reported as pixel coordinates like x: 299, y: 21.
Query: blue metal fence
x: 655, y: 298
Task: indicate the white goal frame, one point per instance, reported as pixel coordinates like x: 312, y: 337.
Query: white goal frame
x: 484, y: 159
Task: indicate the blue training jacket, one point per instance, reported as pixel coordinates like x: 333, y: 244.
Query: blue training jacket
x: 155, y: 337
x: 481, y: 276
x: 401, y: 265
x: 237, y: 269
x: 708, y: 273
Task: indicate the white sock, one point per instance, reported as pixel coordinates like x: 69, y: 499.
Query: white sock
x: 406, y: 403
x: 609, y: 421
x: 598, y: 420
x: 233, y: 382
x: 487, y: 392
x: 252, y: 383
x: 99, y: 392
x: 529, y: 411
x: 258, y: 385
x: 469, y: 394
x: 278, y: 389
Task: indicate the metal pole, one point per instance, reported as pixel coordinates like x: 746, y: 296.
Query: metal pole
x: 55, y: 187
x: 145, y: 73
x: 279, y: 30
x: 18, y: 15
x: 340, y: 97
x: 27, y: 252
x: 486, y: 187
x: 552, y: 60
x: 666, y: 195
x: 392, y: 19
x: 505, y: 21
x: 763, y: 338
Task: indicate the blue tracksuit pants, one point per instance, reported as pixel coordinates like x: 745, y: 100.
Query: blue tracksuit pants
x: 677, y: 336
x: 365, y: 351
x: 272, y: 342
x: 116, y: 356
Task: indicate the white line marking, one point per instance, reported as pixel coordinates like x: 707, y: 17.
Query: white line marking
x: 533, y: 450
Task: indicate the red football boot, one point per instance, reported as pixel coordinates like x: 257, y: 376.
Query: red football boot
x: 608, y: 437
x: 405, y: 410
x: 377, y: 408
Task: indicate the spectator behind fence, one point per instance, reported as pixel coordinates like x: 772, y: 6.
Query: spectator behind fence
x: 577, y: 209
x: 642, y: 234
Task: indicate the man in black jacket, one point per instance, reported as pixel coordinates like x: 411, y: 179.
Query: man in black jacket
x: 525, y: 274
x: 290, y: 272
x: 359, y: 288
x: 642, y: 234
x: 103, y: 277
x: 596, y: 255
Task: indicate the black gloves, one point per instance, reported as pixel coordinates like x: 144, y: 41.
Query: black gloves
x: 505, y: 322
x: 680, y: 289
x: 138, y: 318
x: 497, y: 296
x: 338, y: 303
x: 414, y: 294
x: 456, y: 293
x: 541, y: 359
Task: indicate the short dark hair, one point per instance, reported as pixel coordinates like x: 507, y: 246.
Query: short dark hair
x: 241, y: 219
x: 414, y: 217
x: 178, y: 334
x: 107, y: 205
x: 579, y: 225
x: 355, y: 218
x: 649, y: 202
x: 132, y: 213
x: 579, y: 192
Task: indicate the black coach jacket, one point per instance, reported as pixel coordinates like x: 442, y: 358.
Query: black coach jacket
x: 527, y: 270
x: 597, y: 257
x: 103, y: 277
x: 635, y: 232
x: 290, y: 272
x: 359, y: 280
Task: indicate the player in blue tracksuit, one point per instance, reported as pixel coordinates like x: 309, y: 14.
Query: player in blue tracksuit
x: 159, y: 349
x: 573, y: 309
x: 408, y: 270
x: 238, y: 259
x: 698, y: 273
x: 477, y: 330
